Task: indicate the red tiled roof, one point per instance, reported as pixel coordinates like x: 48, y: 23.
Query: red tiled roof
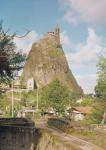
x: 84, y: 110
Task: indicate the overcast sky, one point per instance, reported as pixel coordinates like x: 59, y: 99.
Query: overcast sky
x: 82, y: 24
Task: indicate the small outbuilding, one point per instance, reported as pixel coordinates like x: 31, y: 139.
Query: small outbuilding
x: 79, y: 113
x: 26, y: 113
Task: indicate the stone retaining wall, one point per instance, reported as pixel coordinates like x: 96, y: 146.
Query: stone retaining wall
x: 18, y: 138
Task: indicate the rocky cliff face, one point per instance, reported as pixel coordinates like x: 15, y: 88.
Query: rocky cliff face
x: 47, y: 62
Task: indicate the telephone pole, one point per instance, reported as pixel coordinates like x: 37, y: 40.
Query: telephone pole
x: 12, y: 106
x: 37, y: 99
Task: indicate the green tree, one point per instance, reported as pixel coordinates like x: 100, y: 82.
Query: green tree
x: 98, y: 112
x: 4, y: 104
x: 56, y: 95
x: 11, y: 60
x: 28, y: 99
x: 87, y: 101
x: 100, y: 89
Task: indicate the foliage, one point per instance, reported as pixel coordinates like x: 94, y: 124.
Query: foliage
x: 4, y: 104
x: 100, y: 89
x: 73, y: 97
x: 56, y: 53
x: 10, y: 59
x: 87, y: 101
x: 99, y: 112
x: 28, y: 99
x: 17, y: 107
x: 98, y: 138
x: 57, y: 96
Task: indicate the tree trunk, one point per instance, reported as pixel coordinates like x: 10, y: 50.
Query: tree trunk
x: 104, y: 118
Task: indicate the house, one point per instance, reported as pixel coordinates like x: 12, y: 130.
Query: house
x: 79, y: 113
x: 30, y: 84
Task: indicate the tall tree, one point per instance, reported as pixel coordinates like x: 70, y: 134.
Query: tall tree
x: 100, y: 88
x: 57, y: 96
x: 11, y: 60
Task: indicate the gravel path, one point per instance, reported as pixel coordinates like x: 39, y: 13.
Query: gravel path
x: 84, y: 145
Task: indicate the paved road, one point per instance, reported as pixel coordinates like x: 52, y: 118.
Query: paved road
x: 84, y: 145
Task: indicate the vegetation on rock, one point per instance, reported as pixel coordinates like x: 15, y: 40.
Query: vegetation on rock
x: 46, y: 62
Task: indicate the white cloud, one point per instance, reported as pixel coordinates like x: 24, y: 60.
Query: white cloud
x: 92, y: 11
x: 87, y: 82
x: 71, y: 18
x: 65, y: 40
x: 25, y: 43
x: 87, y: 53
x: 84, y: 58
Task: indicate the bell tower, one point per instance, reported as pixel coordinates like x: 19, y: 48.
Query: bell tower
x: 57, y: 34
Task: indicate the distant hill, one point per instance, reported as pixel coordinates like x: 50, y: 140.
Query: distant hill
x: 47, y: 62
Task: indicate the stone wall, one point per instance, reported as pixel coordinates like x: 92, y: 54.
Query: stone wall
x: 15, y: 136
x: 18, y: 138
